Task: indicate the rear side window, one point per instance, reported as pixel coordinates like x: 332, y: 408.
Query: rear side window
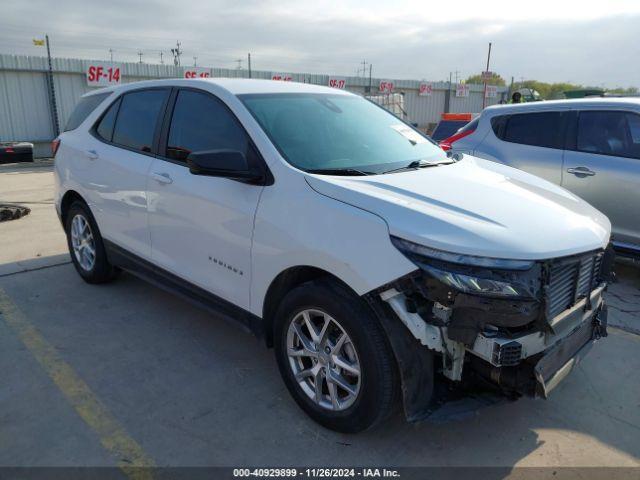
x: 85, y: 106
x: 540, y: 129
x: 199, y: 123
x: 137, y: 118
x: 108, y: 121
x: 614, y: 133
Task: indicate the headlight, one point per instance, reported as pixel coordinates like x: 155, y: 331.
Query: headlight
x: 476, y: 285
x: 411, y: 249
x: 468, y: 273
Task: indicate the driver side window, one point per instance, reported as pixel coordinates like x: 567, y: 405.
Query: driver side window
x: 201, y: 123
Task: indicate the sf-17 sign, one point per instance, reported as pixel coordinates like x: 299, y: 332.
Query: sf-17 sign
x: 338, y: 82
x: 100, y: 74
x: 283, y: 77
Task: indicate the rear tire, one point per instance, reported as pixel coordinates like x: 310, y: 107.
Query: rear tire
x: 357, y: 383
x: 86, y: 246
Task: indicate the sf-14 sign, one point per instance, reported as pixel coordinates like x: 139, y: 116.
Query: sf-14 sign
x: 103, y: 74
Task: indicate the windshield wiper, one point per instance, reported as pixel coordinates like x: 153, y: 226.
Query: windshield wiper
x: 340, y: 171
x: 416, y: 164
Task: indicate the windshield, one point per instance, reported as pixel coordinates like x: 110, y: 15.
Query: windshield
x: 316, y: 132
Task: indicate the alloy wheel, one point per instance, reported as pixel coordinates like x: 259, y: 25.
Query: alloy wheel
x: 323, y: 360
x: 82, y: 241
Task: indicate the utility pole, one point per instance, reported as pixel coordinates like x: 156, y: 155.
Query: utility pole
x: 447, y: 96
x: 176, y: 52
x: 140, y: 55
x: 484, y: 94
x: 111, y: 54
x: 161, y: 60
x: 364, y: 68
x: 370, y: 68
x: 195, y: 61
x: 52, y: 93
x: 456, y: 73
x: 239, y: 62
x: 249, y: 63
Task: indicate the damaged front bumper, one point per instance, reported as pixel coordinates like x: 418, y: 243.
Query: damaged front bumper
x: 460, y: 354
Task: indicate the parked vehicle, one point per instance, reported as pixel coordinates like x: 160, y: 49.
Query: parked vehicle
x: 376, y: 266
x: 13, y: 152
x: 449, y: 124
x: 590, y: 147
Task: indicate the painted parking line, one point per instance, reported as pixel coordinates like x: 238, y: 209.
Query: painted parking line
x: 131, y: 458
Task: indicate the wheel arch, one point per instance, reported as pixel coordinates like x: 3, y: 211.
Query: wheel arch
x: 283, y: 283
x: 68, y: 199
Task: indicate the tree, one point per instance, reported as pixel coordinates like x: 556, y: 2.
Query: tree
x: 495, y: 80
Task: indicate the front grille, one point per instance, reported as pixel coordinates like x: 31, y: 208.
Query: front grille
x: 571, y: 280
x: 507, y: 354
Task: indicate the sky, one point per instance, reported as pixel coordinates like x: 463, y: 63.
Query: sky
x: 593, y: 43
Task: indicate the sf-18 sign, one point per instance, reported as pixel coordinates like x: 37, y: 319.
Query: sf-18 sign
x: 283, y: 77
x: 197, y: 72
x: 492, y: 91
x: 338, y: 82
x: 426, y: 89
x: 462, y: 90
x: 386, y: 86
x: 103, y: 74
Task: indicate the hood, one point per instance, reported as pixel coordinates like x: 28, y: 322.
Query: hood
x: 475, y: 207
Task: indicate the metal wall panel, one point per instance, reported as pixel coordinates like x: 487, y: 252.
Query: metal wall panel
x: 24, y: 104
x: 24, y: 107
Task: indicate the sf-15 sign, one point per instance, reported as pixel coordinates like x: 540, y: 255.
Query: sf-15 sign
x: 103, y: 74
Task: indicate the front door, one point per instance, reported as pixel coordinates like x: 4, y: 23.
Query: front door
x: 201, y: 226
x: 602, y: 166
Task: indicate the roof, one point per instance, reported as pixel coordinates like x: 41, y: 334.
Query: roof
x: 578, y: 103
x: 235, y: 86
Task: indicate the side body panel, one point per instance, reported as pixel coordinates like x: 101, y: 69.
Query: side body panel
x: 201, y: 229
x: 296, y: 226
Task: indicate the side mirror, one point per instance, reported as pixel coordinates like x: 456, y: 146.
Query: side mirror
x: 223, y: 163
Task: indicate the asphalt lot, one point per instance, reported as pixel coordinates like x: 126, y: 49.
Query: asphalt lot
x: 92, y: 374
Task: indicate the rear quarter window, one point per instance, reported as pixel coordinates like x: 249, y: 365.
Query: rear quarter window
x: 83, y: 109
x: 539, y: 129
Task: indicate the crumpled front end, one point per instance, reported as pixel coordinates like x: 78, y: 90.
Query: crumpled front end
x: 507, y: 329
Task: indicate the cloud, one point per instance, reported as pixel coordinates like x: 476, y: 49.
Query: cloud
x: 408, y: 39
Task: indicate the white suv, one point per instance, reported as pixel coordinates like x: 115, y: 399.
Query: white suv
x: 378, y: 267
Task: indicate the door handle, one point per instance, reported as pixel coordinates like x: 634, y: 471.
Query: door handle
x: 163, y: 178
x: 91, y: 154
x: 581, y: 171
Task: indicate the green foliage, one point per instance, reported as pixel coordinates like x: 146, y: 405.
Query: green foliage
x: 552, y: 91
x: 495, y: 80
x: 548, y: 91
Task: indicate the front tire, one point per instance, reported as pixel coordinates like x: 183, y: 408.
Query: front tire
x: 86, y: 246
x: 334, y: 357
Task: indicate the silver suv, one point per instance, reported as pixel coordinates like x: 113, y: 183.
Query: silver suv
x: 590, y: 147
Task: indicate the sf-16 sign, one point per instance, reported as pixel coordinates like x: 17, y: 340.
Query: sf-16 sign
x: 103, y: 74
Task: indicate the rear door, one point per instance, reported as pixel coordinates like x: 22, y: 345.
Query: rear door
x: 118, y: 163
x: 202, y: 226
x: 531, y: 141
x: 602, y: 165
